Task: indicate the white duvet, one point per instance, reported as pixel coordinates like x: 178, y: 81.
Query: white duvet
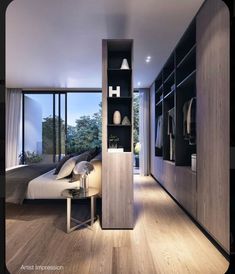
x: 47, y: 187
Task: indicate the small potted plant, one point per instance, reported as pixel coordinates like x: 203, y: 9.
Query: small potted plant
x: 137, y: 152
x: 29, y: 157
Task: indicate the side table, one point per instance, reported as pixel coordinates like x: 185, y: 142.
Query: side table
x: 70, y: 194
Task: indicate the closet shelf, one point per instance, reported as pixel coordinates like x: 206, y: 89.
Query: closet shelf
x: 187, y: 56
x: 124, y: 70
x: 187, y: 80
x: 159, y: 102
x: 169, y: 76
x: 158, y: 90
x: 189, y: 168
x: 169, y: 94
x: 170, y: 162
x: 113, y: 125
x: 119, y: 98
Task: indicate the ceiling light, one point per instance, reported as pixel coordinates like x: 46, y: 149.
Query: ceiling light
x: 138, y: 84
x: 148, y: 59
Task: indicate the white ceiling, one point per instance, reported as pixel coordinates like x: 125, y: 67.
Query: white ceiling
x: 57, y: 43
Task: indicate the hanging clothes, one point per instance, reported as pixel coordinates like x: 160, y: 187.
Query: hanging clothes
x: 185, y: 112
x: 189, y: 121
x: 171, y: 132
x: 159, y: 133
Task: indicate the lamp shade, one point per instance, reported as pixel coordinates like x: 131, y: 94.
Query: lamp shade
x: 83, y: 168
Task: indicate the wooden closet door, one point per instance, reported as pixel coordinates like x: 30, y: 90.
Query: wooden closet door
x: 213, y: 120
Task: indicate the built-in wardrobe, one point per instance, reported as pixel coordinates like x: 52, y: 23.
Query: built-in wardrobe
x: 190, y: 120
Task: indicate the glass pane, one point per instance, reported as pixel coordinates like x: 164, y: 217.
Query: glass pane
x: 59, y: 126
x: 38, y: 122
x: 62, y: 124
x: 136, y: 105
x: 84, y: 126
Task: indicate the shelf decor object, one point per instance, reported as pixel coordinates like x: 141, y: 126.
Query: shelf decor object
x: 114, y: 92
x: 113, y: 141
x: 117, y: 156
x: 126, y: 121
x: 117, y: 117
x: 124, y: 64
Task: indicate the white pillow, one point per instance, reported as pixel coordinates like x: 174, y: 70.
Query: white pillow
x: 67, y: 167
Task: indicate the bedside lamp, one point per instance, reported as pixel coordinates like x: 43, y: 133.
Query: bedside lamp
x: 83, y: 168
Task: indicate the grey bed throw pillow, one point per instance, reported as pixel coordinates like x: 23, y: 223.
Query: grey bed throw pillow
x: 67, y: 168
x: 61, y: 163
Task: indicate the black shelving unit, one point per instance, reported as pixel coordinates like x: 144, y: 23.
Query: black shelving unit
x: 117, y: 51
x: 175, y: 85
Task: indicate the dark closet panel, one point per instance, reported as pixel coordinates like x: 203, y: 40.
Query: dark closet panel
x: 213, y: 120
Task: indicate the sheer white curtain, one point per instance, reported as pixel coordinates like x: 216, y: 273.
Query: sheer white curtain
x: 144, y: 131
x: 13, y: 125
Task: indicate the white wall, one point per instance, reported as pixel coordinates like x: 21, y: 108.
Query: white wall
x: 33, y: 125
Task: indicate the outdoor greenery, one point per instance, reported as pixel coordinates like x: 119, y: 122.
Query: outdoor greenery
x: 29, y: 157
x: 136, y: 118
x: 86, y: 133
x: 47, y: 135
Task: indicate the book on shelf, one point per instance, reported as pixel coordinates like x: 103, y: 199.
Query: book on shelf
x: 115, y: 150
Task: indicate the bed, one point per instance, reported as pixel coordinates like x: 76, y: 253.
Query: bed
x: 46, y: 186
x: 39, y: 182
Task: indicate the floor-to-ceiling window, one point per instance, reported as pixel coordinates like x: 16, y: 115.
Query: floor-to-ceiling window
x: 58, y: 123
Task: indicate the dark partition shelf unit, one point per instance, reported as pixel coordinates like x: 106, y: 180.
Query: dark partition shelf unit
x: 174, y: 86
x: 117, y: 141
x: 117, y: 77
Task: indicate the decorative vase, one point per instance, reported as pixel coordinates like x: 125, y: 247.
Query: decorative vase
x: 125, y: 64
x: 117, y: 117
x: 126, y: 121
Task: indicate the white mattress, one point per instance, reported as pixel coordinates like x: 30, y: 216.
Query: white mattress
x: 47, y: 187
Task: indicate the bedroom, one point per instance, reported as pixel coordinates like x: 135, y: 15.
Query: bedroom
x: 93, y: 92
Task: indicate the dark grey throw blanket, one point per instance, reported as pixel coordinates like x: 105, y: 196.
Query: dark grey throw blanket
x: 17, y: 181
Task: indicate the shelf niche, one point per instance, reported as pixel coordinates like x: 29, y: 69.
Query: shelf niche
x: 122, y: 78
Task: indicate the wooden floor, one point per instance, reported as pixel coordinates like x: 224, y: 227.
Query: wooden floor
x: 164, y: 240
